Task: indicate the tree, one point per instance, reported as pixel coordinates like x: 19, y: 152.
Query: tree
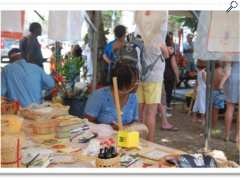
x: 190, y: 22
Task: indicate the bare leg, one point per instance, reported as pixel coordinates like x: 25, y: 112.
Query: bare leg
x: 195, y: 118
x: 165, y: 124
x: 150, y: 120
x: 214, y: 118
x: 141, y: 112
x: 228, y: 119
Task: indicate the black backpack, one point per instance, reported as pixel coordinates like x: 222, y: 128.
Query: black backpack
x: 132, y: 51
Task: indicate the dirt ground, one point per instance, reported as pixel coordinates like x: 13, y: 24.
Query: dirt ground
x: 190, y: 136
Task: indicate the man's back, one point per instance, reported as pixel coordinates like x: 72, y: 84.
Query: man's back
x: 31, y: 50
x: 24, y: 82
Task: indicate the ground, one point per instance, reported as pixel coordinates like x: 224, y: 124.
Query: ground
x: 190, y: 136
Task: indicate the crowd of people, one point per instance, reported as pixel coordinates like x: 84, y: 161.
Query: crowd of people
x: 145, y: 87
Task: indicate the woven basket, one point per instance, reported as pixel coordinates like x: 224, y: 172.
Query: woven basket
x: 11, y: 150
x: 108, y: 163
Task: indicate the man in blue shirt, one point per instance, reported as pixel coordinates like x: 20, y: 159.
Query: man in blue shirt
x: 23, y: 81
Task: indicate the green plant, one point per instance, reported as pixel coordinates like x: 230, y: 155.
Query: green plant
x: 70, y: 69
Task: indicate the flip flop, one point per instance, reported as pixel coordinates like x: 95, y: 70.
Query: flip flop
x: 173, y: 128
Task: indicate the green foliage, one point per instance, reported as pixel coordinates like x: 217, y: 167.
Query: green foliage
x: 190, y: 22
x: 71, y: 67
x: 107, y: 18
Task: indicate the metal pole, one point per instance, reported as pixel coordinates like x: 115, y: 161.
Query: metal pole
x: 209, y: 104
x: 238, y: 133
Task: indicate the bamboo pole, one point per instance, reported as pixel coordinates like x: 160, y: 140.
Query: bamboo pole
x: 117, y: 103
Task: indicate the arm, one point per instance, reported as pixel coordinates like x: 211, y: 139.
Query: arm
x: 175, y: 67
x: 204, y: 76
x: 47, y: 80
x: 3, y: 83
x: 93, y: 107
x: 106, y: 59
x: 226, y: 74
x: 164, y: 50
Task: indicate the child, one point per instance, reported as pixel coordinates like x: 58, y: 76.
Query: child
x: 200, y: 91
x: 218, y: 96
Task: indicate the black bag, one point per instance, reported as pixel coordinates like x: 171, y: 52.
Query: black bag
x: 196, y: 161
x: 131, y: 53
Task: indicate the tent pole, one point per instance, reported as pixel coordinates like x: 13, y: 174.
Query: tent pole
x: 209, y: 106
x: 238, y: 133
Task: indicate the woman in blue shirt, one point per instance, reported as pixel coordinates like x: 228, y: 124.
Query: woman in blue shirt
x: 100, y: 107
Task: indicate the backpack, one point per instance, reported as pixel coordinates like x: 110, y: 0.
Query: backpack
x: 132, y: 52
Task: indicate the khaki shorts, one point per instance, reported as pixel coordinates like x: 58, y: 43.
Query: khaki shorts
x: 149, y: 93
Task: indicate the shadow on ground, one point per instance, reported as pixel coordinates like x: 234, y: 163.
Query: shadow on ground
x: 190, y: 136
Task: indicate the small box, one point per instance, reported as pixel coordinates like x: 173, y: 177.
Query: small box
x: 128, y: 139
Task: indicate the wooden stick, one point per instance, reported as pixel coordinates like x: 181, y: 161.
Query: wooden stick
x: 117, y: 103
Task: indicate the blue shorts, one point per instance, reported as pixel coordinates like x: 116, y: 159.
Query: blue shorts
x: 218, y: 99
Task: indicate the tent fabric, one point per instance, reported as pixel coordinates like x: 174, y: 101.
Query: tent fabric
x: 65, y: 25
x: 152, y: 25
x: 201, y: 43
x: 224, y: 37
x: 12, y: 24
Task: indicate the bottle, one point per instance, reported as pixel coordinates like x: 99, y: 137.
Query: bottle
x: 113, y: 152
x: 105, y: 153
x: 101, y: 154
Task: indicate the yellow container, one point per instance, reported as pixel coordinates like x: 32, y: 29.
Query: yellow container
x: 128, y: 139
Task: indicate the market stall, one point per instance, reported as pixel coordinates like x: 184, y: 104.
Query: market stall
x: 47, y: 136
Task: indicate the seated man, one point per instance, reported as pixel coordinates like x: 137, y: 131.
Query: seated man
x: 23, y: 81
x: 100, y: 107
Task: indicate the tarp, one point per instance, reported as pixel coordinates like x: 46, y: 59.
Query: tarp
x: 12, y: 24
x: 152, y: 25
x: 65, y: 25
x: 211, y: 36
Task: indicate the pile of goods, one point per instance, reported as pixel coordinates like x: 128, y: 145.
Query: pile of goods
x: 44, y: 111
x: 68, y: 124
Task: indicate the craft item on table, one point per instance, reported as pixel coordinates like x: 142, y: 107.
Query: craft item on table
x: 103, y: 130
x: 43, y: 127
x: 11, y: 154
x: 169, y: 161
x: 66, y: 124
x: 63, y: 159
x: 92, y: 148
x: 36, y: 157
x: 50, y: 142
x: 108, y: 155
x: 128, y: 159
x: 126, y: 139
x: 9, y: 107
x: 221, y: 159
x: 43, y: 111
x: 11, y: 124
x: 154, y: 154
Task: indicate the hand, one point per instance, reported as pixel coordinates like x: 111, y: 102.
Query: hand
x: 114, y: 126
x: 171, y: 50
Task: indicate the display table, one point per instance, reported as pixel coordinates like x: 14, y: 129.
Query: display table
x: 74, y: 155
